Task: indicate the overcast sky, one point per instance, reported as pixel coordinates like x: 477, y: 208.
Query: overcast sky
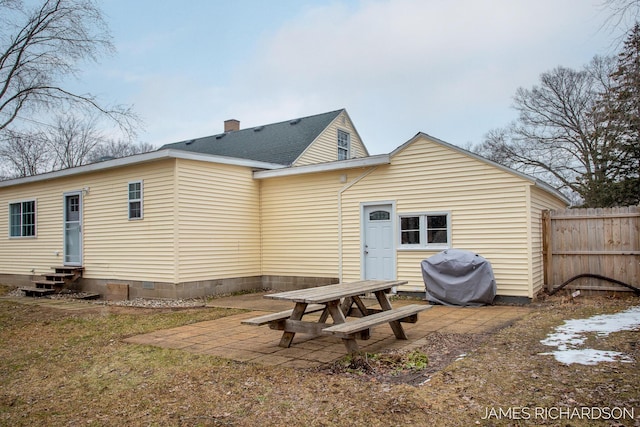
x: 446, y: 68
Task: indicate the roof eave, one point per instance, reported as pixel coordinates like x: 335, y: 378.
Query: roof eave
x: 138, y: 159
x: 381, y: 159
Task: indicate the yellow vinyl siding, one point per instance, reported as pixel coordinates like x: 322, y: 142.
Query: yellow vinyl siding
x: 540, y: 201
x: 204, y: 221
x: 218, y: 220
x: 22, y: 255
x: 122, y: 249
x: 300, y: 225
x: 113, y: 246
x: 487, y: 206
x: 200, y: 221
x: 325, y: 147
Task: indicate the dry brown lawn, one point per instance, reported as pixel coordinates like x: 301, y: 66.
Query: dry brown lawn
x: 62, y: 368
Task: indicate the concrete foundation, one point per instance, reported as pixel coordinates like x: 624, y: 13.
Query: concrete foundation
x: 130, y: 289
x: 117, y: 292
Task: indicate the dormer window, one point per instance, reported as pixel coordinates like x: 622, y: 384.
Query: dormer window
x: 344, y: 145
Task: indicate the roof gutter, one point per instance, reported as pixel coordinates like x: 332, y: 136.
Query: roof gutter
x: 138, y: 159
x: 381, y: 159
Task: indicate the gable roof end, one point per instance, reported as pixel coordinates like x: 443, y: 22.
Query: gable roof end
x: 280, y: 143
x: 345, y: 115
x: 538, y: 183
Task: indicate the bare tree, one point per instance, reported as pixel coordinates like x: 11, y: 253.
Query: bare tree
x: 115, y: 149
x: 72, y: 140
x: 41, y: 46
x: 494, y: 146
x: 562, y: 132
x: 623, y: 107
x: 623, y: 13
x: 24, y: 154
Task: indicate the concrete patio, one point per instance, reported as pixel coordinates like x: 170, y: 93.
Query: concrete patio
x: 228, y: 338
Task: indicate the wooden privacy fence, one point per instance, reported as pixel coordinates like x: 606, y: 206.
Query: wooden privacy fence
x: 605, y: 242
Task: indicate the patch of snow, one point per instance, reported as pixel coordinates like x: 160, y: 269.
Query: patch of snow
x: 588, y: 356
x: 571, y: 335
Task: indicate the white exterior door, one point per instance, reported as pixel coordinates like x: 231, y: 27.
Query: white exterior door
x: 73, y: 229
x: 378, y: 247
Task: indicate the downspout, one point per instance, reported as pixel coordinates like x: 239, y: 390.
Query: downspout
x: 176, y: 223
x: 340, y: 192
x: 261, y: 243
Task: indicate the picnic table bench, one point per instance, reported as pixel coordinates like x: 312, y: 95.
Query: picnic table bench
x: 339, y: 302
x: 279, y: 316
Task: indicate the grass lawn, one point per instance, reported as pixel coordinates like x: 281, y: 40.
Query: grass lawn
x: 64, y: 368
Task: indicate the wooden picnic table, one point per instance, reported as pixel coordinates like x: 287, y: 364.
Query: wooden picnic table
x: 339, y: 302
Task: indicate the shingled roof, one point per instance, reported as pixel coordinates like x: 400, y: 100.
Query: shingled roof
x: 280, y: 143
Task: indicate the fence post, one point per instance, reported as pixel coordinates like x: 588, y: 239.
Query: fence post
x: 547, y: 253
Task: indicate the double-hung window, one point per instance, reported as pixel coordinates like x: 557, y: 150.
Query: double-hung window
x: 344, y: 145
x: 425, y: 230
x: 135, y: 200
x: 22, y: 219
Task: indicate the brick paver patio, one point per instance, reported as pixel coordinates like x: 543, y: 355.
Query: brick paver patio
x: 228, y: 338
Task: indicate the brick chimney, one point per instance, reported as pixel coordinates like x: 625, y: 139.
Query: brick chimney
x: 231, y: 125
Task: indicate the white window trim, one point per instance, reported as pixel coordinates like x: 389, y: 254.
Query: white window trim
x: 141, y: 200
x: 339, y: 147
x: 423, y: 232
x: 35, y: 218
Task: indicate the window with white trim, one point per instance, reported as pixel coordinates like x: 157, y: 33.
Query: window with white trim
x: 425, y: 230
x: 344, y: 145
x: 135, y: 200
x: 22, y: 219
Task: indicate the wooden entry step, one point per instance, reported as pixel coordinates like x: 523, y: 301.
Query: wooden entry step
x: 36, y: 292
x: 65, y: 269
x: 51, y: 283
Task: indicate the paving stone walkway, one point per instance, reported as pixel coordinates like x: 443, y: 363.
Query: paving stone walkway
x: 228, y: 338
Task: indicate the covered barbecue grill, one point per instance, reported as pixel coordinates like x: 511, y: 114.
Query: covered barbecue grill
x: 458, y: 277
